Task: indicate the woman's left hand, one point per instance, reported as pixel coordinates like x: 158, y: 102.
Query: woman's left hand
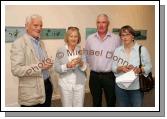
x: 137, y: 70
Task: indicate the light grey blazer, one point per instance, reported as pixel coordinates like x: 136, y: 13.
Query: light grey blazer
x: 62, y: 59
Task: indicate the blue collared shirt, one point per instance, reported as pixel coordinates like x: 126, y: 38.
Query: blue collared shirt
x: 120, y: 59
x: 41, y: 54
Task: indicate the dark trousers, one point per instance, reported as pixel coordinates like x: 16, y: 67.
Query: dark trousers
x: 100, y: 82
x: 48, y: 97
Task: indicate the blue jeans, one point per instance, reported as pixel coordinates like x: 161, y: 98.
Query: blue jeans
x: 128, y: 98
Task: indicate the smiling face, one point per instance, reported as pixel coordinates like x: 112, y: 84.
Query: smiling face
x: 102, y: 24
x: 34, y: 27
x: 73, y: 38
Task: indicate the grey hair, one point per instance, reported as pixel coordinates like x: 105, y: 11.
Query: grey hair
x: 34, y: 16
x: 104, y: 15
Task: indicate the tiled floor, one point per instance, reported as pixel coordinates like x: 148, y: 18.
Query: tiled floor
x: 149, y: 100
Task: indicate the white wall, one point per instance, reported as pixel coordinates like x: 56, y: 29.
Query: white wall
x: 139, y: 17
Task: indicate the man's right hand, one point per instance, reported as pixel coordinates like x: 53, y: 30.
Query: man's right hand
x: 47, y: 65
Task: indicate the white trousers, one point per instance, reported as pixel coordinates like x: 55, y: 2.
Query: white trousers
x: 73, y: 97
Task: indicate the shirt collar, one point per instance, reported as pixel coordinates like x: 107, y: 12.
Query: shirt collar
x: 36, y: 41
x: 135, y: 47
x: 107, y: 34
x: 66, y: 46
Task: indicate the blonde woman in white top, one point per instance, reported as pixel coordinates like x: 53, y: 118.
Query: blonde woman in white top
x: 71, y: 66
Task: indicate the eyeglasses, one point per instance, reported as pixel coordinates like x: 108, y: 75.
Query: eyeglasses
x: 71, y: 27
x: 125, y: 35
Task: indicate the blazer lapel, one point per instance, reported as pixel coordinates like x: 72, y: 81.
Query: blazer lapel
x: 65, y: 54
x: 29, y: 44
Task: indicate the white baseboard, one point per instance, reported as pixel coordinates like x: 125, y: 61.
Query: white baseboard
x: 54, y: 97
x: 13, y: 105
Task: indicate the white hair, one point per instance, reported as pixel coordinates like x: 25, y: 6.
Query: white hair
x: 34, y: 16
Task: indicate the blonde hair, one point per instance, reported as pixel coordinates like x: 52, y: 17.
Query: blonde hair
x: 71, y: 29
